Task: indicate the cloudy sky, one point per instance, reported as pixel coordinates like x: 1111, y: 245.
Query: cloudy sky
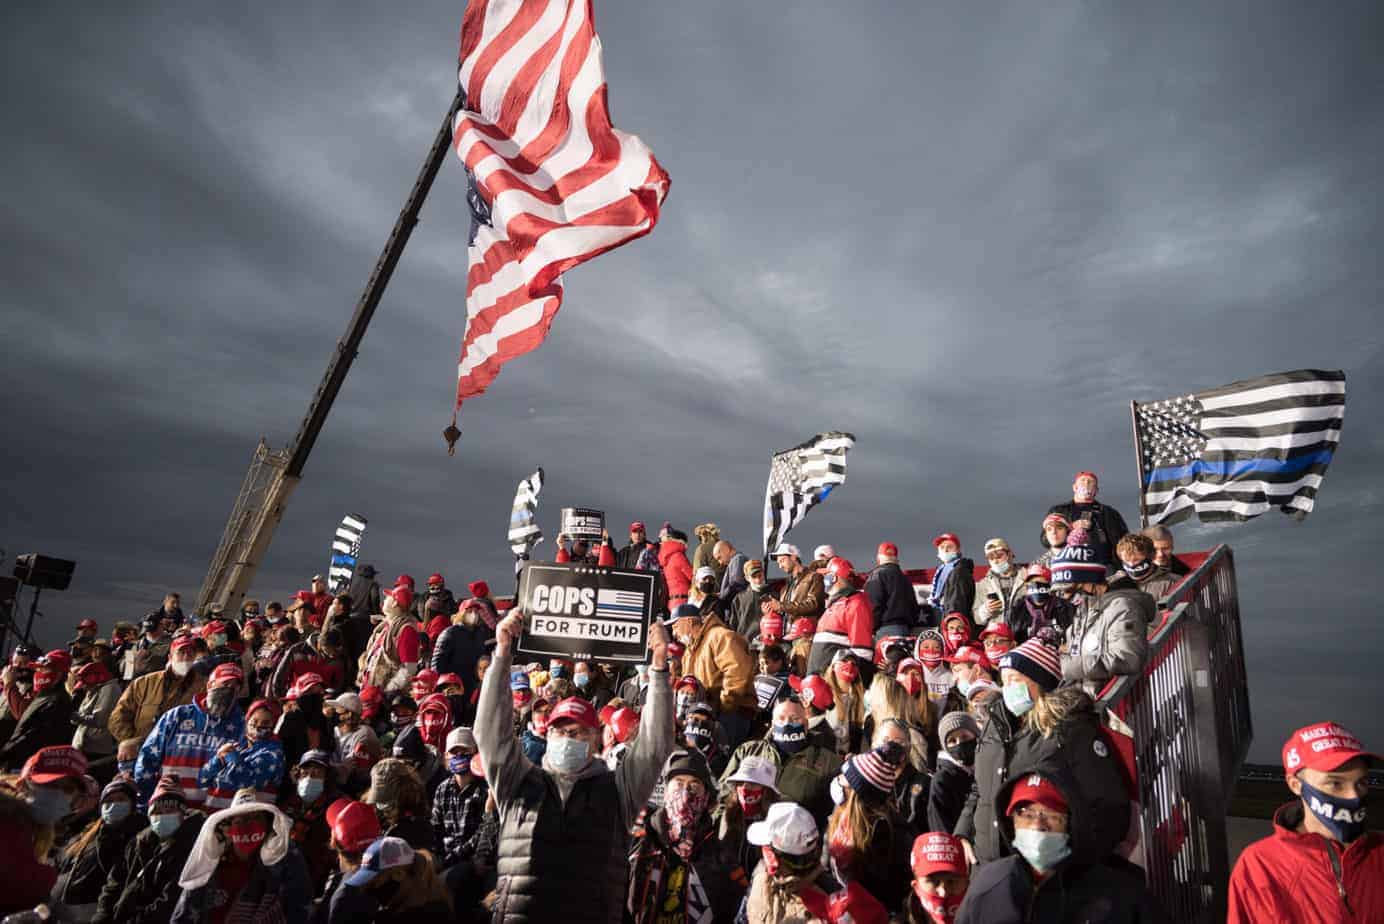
x: 969, y: 233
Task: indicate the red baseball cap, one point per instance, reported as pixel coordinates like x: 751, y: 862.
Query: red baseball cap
x: 997, y: 630
x: 356, y: 826
x: 214, y: 627
x: 771, y: 628
x: 814, y: 686
x: 801, y: 628
x: 1036, y: 788
x: 87, y: 624
x: 687, y: 680
x: 224, y: 674
x: 53, y: 763
x: 186, y: 640
x: 947, y: 537
x: 638, y: 525
x: 623, y: 722
x: 937, y: 852
x: 59, y: 660
x: 450, y: 679
x: 574, y: 709
x: 1091, y: 475
x: 969, y: 654
x: 436, y: 578
x: 335, y: 808
x: 887, y: 549
x: 1324, y: 746
x: 369, y: 694
x: 304, y: 683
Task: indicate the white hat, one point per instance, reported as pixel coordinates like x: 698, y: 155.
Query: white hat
x: 787, y: 548
x: 788, y: 828
x: 705, y: 571
x: 348, y: 701
x: 460, y: 737
x: 758, y: 770
x: 823, y: 551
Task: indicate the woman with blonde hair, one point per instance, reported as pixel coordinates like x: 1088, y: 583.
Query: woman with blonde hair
x: 867, y: 840
x: 847, y: 715
x: 404, y: 883
x: 887, y: 699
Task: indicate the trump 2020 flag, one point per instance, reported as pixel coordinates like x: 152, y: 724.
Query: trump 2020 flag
x: 345, y: 550
x: 1233, y: 453
x: 801, y: 478
x: 552, y: 183
x: 524, y: 533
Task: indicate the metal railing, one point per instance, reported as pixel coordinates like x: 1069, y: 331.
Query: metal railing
x: 1189, y: 720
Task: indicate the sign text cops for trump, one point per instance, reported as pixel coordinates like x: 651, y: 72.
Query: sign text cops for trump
x: 585, y: 613
x: 583, y: 523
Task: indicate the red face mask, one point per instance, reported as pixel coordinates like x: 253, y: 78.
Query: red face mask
x: 751, y: 799
x: 911, y: 682
x: 846, y: 672
x: 521, y: 700
x: 246, y: 834
x: 930, y: 658
x: 433, y: 726
x: 956, y: 636
x: 941, y: 908
x: 993, y: 650
x: 45, y: 678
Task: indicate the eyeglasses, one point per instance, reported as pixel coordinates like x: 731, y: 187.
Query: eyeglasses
x: 1035, y: 815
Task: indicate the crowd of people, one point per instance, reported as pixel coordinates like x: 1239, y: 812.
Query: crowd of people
x: 832, y: 746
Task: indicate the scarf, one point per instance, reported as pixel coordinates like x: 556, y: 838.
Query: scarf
x: 686, y: 813
x: 939, y: 581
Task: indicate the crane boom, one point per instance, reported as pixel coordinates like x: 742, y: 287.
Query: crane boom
x: 274, y: 474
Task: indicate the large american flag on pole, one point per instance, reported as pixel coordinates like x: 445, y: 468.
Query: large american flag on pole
x: 551, y: 182
x: 801, y: 478
x: 1236, y: 452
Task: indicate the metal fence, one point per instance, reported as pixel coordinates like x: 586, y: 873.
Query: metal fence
x: 1189, y: 720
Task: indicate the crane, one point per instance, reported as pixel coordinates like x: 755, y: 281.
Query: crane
x: 274, y: 473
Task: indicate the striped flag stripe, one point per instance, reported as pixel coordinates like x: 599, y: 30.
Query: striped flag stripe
x: 561, y: 184
x: 799, y: 479
x: 524, y: 532
x: 1231, y: 453
x: 345, y: 549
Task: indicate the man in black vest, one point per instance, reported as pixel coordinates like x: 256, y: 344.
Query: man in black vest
x: 565, y: 825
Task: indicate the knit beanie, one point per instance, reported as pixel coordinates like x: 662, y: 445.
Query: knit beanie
x: 1078, y: 562
x: 1036, y: 661
x: 873, y: 774
x: 954, y: 720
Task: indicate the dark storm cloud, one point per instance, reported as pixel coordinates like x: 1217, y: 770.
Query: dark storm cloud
x: 970, y: 234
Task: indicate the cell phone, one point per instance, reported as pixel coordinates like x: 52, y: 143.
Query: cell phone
x: 992, y: 596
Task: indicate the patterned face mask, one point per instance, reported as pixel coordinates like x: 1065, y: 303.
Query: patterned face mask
x: 684, y: 804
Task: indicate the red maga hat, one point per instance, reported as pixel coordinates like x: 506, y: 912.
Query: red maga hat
x: 356, y: 826
x: 946, y: 537
x: 814, y: 689
x: 937, y: 852
x: 1323, y: 746
x: 53, y: 763
x: 304, y: 683
x: 888, y: 550
x: 574, y: 709
x: 1036, y: 788
x: 969, y: 654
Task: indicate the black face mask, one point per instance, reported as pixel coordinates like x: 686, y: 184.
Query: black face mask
x: 1139, y: 570
x: 699, y: 736
x: 963, y: 752
x: 789, y: 737
x: 310, y: 704
x: 386, y: 891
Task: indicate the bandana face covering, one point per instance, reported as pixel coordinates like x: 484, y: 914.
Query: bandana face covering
x: 751, y: 799
x: 911, y: 683
x: 246, y: 834
x: 846, y: 672
x: 684, y: 809
x: 943, y: 908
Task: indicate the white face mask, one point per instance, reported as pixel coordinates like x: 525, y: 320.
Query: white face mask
x: 1002, y: 567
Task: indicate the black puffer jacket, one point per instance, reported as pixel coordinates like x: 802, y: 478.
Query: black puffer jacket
x: 1107, y: 526
x: 47, y: 721
x: 977, y: 822
x: 891, y: 593
x: 87, y: 871
x: 142, y: 887
x: 458, y: 649
x: 1056, y: 611
x: 959, y: 594
x: 946, y: 800
x: 883, y: 867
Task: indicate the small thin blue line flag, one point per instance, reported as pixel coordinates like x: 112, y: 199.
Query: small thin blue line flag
x: 345, y: 549
x: 1233, y: 453
x: 524, y: 533
x: 801, y: 478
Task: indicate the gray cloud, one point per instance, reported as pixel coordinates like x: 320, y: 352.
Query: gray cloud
x: 970, y: 235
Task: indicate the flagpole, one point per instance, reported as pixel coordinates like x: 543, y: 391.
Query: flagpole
x: 1139, y: 463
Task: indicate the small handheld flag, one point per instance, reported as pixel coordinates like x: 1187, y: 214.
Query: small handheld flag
x: 345, y: 549
x: 524, y: 532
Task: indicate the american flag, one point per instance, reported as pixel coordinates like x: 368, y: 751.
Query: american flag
x: 1233, y: 453
x: 551, y: 182
x: 345, y: 549
x: 801, y: 478
x: 524, y: 532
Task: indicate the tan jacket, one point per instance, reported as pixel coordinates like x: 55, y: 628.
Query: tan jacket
x: 806, y: 597
x: 147, y: 698
x: 379, y: 664
x: 770, y: 906
x: 719, y: 657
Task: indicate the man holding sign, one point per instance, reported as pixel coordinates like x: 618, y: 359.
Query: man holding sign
x: 565, y: 824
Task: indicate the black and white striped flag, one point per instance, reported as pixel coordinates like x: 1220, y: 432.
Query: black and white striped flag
x: 801, y: 478
x: 524, y: 533
x: 1233, y: 453
x: 345, y: 549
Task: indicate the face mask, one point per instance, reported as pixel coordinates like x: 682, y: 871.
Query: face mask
x: 581, y: 681
x: 846, y: 672
x: 219, y: 701
x: 558, y: 672
x: 930, y: 658
x: 165, y: 825
x: 964, y: 752
x: 699, y: 736
x: 459, y: 765
x: 642, y: 670
x: 1002, y: 567
x: 567, y: 755
x: 246, y: 835
x: 1039, y: 595
x: 1042, y: 849
x: 956, y: 636
x: 911, y: 683
x: 948, y: 557
x: 1344, y: 818
x: 125, y: 767
x: 751, y: 800
x: 49, y: 804
x: 837, y: 790
x: 1083, y: 494
x: 1139, y: 570
x: 963, y: 685
x: 828, y: 580
x: 180, y: 668
x: 310, y: 788
x: 404, y: 721
x: 113, y: 813
x: 1017, y: 698
x: 942, y: 907
x: 790, y: 737
x: 217, y: 641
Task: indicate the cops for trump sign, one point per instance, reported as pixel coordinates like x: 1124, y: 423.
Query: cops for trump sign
x: 585, y: 613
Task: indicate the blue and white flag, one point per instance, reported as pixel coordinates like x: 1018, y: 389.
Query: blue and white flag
x: 1233, y: 453
x: 345, y: 549
x: 524, y: 533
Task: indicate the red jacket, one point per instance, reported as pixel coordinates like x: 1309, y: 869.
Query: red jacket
x: 677, y: 571
x: 849, y: 620
x: 606, y: 558
x: 1287, y: 878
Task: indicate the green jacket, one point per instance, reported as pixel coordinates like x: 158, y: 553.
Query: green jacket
x: 804, y: 777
